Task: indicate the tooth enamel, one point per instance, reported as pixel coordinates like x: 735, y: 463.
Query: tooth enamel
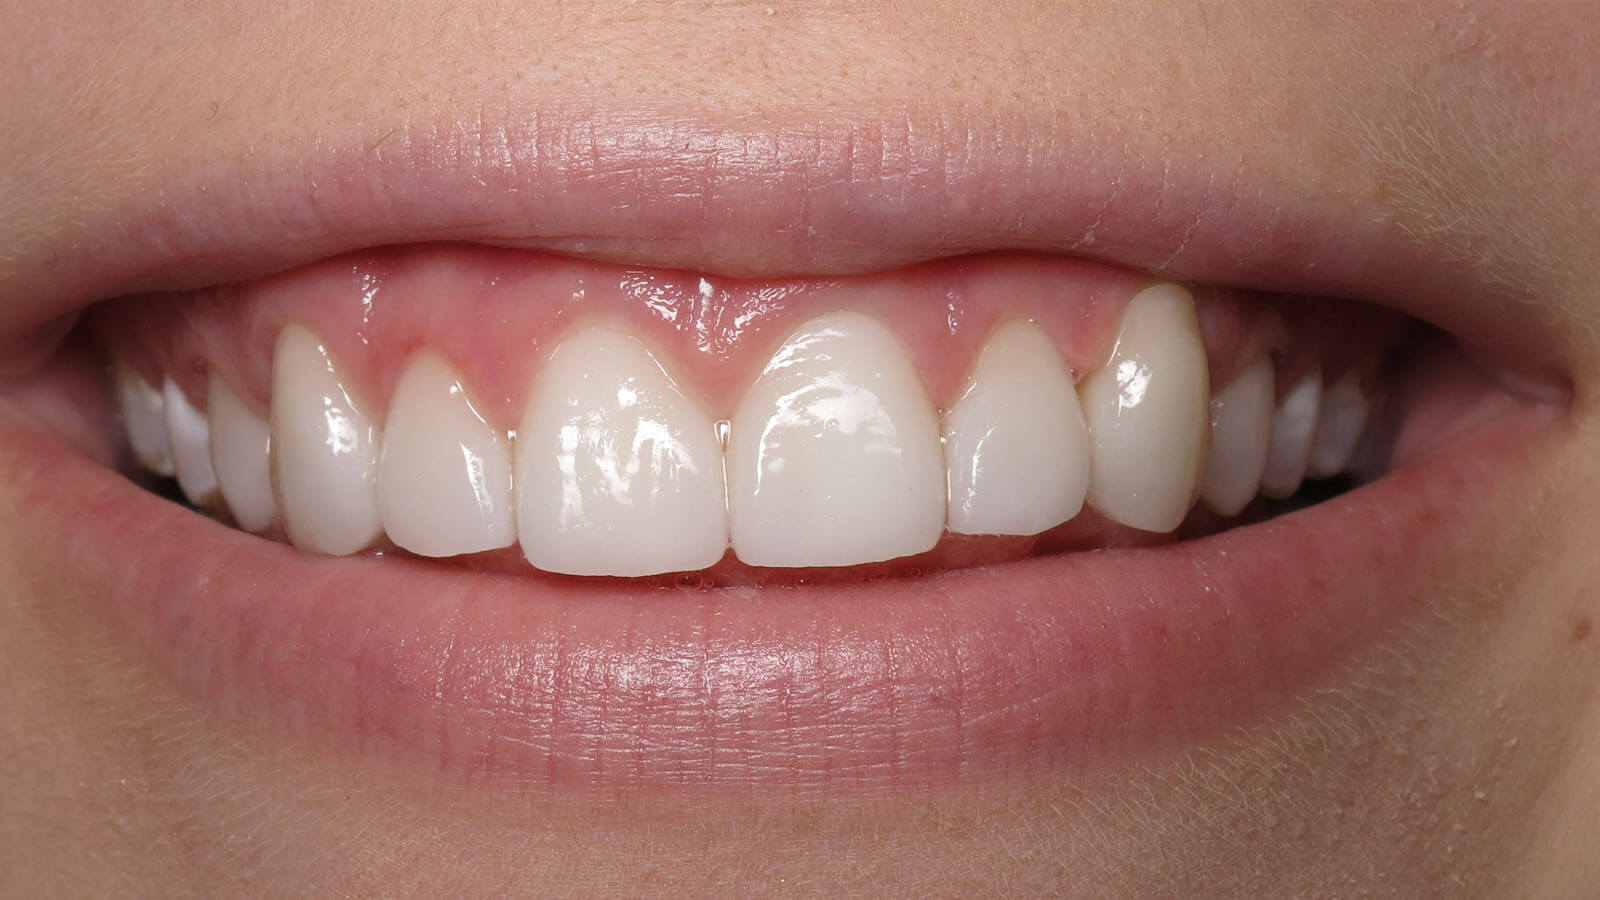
x: 189, y: 436
x: 1148, y: 411
x: 240, y: 446
x: 1241, y: 432
x: 1015, y: 445
x: 1339, y: 427
x: 444, y: 474
x: 1294, y: 424
x: 833, y: 454
x: 324, y: 450
x: 618, y: 472
x: 145, y: 418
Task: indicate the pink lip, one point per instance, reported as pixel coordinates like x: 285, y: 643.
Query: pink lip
x: 818, y: 197
x: 1050, y: 664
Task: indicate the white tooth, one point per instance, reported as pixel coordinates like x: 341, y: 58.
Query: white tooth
x: 444, y: 474
x: 618, y: 472
x: 833, y: 454
x: 240, y: 454
x: 1294, y: 424
x: 1339, y: 428
x: 189, y: 436
x: 1148, y: 413
x: 1015, y: 446
x: 324, y: 450
x: 144, y: 415
x: 1241, y: 432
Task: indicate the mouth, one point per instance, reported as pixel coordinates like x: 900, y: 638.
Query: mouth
x: 515, y: 473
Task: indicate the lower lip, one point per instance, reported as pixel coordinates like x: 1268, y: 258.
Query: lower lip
x: 1049, y: 664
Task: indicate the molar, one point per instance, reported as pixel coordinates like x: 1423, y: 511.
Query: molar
x: 241, y: 444
x: 1015, y: 444
x: 1148, y: 413
x: 324, y: 450
x: 1241, y: 432
x: 833, y: 453
x: 1294, y: 425
x: 618, y: 471
x: 189, y: 436
x: 145, y: 418
x: 1343, y: 420
x: 444, y: 473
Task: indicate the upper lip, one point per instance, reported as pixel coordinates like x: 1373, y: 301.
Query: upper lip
x: 820, y: 198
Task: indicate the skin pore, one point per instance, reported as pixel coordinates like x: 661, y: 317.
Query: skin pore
x: 1452, y: 756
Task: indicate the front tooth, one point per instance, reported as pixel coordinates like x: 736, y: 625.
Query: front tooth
x: 324, y: 450
x: 618, y: 472
x: 240, y: 453
x: 145, y: 417
x: 1344, y: 417
x: 1149, y: 413
x: 444, y: 474
x: 1015, y: 445
x: 1294, y: 424
x: 189, y: 436
x: 833, y: 454
x: 1241, y: 432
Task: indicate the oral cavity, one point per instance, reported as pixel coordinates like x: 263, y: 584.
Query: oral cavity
x: 611, y: 460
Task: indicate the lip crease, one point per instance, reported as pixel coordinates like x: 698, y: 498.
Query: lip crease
x: 998, y: 671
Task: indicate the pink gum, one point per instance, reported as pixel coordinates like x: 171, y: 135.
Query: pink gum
x: 497, y: 314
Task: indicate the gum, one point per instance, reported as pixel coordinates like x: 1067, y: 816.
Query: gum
x: 497, y: 314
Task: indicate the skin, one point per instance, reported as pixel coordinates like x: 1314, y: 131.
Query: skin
x: 1455, y: 757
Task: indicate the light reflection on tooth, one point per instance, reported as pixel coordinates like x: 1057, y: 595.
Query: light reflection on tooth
x: 1016, y: 448
x: 1294, y: 424
x: 444, y: 474
x: 1339, y: 427
x: 1241, y: 433
x: 833, y: 454
x: 240, y: 448
x: 618, y: 471
x: 324, y: 450
x: 189, y: 436
x: 145, y: 418
x: 1148, y: 411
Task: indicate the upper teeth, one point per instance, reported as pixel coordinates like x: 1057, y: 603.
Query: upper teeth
x: 835, y: 456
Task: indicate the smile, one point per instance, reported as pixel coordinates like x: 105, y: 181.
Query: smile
x: 656, y: 506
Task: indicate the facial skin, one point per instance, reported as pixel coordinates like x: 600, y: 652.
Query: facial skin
x: 1455, y: 756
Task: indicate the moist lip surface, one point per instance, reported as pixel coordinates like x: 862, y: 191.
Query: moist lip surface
x: 987, y: 672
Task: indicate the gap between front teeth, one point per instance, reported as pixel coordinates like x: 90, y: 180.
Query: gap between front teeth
x: 835, y: 456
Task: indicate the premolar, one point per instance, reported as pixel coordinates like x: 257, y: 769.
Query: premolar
x: 189, y: 436
x: 1343, y: 420
x: 324, y: 450
x: 833, y: 454
x: 1148, y: 413
x: 1294, y: 425
x: 241, y: 444
x: 145, y: 418
x: 444, y: 475
x: 1241, y: 432
x: 1015, y: 444
x: 618, y: 472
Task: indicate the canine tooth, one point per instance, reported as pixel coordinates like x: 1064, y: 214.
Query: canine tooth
x: 189, y: 436
x: 1241, y: 432
x: 1343, y: 419
x: 1294, y: 424
x: 618, y: 471
x: 444, y: 473
x: 1015, y: 445
x: 833, y: 454
x: 240, y: 454
x: 324, y: 450
x: 145, y: 417
x: 1148, y: 413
